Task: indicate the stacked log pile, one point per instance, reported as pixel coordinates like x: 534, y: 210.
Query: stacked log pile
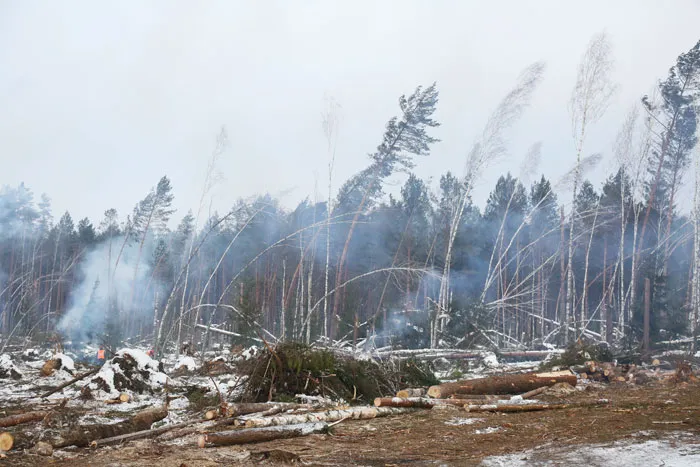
x: 609, y: 372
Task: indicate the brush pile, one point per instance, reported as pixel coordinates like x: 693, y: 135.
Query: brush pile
x: 291, y: 368
x: 8, y: 369
x: 129, y: 371
x: 60, y: 365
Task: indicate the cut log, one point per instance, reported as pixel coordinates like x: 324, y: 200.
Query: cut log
x: 27, y: 417
x: 426, y: 354
x: 417, y: 402
x: 506, y: 384
x: 6, y: 441
x: 123, y: 397
x: 355, y: 413
x: 138, y: 435
x: 68, y: 383
x: 50, y: 366
x: 235, y: 410
x: 534, y: 392
x: 84, y: 435
x: 257, y: 435
x: 506, y: 408
x: 476, y: 397
x: 188, y: 430
x: 419, y: 392
x: 211, y: 414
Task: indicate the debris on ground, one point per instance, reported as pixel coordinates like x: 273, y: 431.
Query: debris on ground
x: 8, y: 369
x: 290, y: 395
x: 60, y: 364
x: 293, y: 368
x: 130, y: 370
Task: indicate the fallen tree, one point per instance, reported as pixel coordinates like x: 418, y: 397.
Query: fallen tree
x: 84, y: 435
x: 411, y: 392
x: 505, y: 408
x: 198, y: 427
x: 483, y: 397
x: 354, y: 413
x: 453, y: 354
x: 68, y: 383
x: 235, y: 410
x: 138, y: 435
x: 417, y: 402
x: 534, y: 392
x: 505, y: 384
x: 18, y: 419
x: 257, y: 435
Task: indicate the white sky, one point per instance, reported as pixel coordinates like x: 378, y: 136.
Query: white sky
x: 99, y: 99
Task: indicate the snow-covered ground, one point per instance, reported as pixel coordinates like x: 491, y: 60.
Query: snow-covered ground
x: 28, y: 389
x: 674, y: 450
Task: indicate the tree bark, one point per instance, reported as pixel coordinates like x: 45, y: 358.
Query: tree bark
x: 84, y: 435
x: 534, y: 392
x: 235, y: 410
x: 506, y: 408
x: 18, y: 419
x: 138, y: 435
x: 416, y: 402
x: 355, y: 413
x: 419, y: 392
x: 507, y: 384
x: 647, y: 306
x: 258, y: 435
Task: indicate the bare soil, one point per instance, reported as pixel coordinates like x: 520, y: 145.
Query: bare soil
x: 426, y: 437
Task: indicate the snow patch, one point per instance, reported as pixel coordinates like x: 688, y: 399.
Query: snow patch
x: 463, y: 421
x: 490, y: 360
x: 67, y: 363
x: 7, y: 368
x: 131, y: 370
x: 488, y: 430
x: 671, y: 451
x: 186, y: 362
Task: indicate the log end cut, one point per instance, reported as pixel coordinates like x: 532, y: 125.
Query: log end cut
x: 6, y: 441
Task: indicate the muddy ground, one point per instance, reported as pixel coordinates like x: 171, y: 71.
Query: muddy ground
x: 432, y: 437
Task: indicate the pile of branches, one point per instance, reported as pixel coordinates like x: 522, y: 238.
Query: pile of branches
x: 578, y: 353
x: 288, y: 369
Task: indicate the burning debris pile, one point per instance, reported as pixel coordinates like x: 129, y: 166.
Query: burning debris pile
x: 129, y: 371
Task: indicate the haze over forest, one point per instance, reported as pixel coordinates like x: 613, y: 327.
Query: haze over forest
x: 171, y: 174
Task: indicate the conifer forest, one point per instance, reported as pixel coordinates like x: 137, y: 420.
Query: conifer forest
x: 395, y: 233
x: 543, y: 263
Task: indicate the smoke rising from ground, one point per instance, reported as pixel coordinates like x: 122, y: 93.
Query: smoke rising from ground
x: 89, y: 305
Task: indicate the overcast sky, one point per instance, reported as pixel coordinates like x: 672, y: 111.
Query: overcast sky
x: 99, y: 99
